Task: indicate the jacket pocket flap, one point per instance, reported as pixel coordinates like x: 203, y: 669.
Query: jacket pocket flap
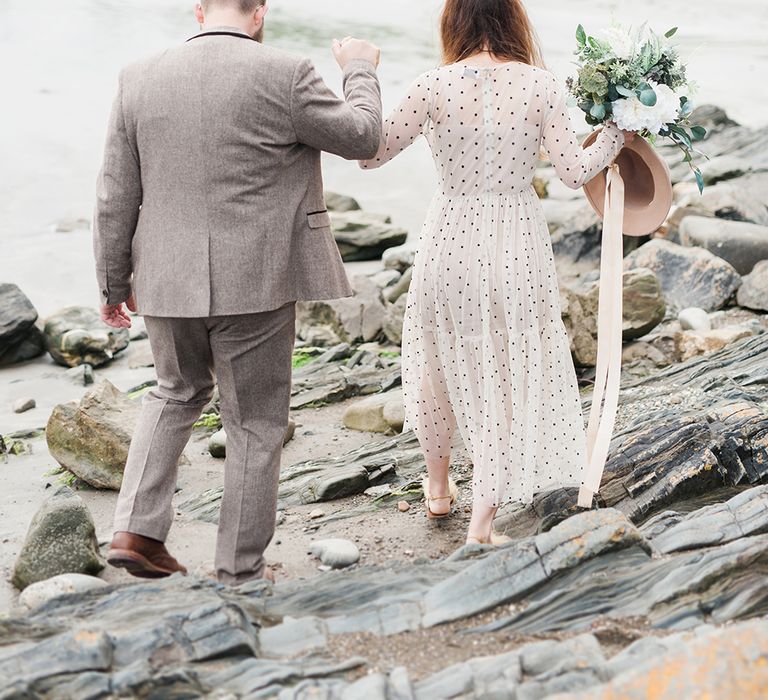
x: 319, y: 219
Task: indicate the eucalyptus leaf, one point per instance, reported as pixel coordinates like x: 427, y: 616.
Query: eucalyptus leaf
x: 698, y: 132
x: 598, y: 111
x: 671, y: 32
x: 699, y: 180
x: 683, y: 135
x: 648, y: 97
x: 581, y: 35
x: 625, y: 91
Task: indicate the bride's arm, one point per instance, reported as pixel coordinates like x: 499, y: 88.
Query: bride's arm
x: 575, y: 165
x: 403, y: 126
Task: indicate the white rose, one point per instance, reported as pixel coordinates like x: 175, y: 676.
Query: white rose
x: 631, y: 114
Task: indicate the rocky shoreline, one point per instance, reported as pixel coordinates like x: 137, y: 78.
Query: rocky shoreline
x: 660, y: 591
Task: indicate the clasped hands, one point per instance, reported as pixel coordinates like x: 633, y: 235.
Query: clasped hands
x: 351, y: 49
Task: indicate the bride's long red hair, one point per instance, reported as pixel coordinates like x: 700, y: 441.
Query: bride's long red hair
x: 502, y: 27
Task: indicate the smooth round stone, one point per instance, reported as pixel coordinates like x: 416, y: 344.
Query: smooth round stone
x: 336, y: 553
x: 40, y: 593
x: 217, y: 445
x: 24, y: 405
x: 694, y: 319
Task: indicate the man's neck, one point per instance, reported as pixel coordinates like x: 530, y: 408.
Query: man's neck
x: 223, y: 18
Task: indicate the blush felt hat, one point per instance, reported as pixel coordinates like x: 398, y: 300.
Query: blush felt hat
x: 647, y: 187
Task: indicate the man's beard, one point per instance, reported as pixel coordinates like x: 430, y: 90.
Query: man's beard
x: 259, y: 35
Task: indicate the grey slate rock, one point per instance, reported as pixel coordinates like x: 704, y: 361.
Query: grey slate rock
x: 742, y: 516
x: 550, y: 658
x: 501, y: 577
x: 584, y: 536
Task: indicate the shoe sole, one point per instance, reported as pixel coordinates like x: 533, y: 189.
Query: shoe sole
x: 136, y: 565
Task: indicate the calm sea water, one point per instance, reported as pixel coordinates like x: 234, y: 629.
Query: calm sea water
x: 60, y: 61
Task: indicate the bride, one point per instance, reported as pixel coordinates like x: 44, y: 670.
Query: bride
x: 485, y: 350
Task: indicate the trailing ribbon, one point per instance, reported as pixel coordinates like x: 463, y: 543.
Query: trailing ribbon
x: 609, y: 331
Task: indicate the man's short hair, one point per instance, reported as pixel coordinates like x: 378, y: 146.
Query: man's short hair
x: 245, y: 6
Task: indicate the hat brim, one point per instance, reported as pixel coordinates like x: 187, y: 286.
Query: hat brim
x: 647, y: 187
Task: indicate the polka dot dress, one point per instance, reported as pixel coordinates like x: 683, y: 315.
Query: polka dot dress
x: 485, y: 351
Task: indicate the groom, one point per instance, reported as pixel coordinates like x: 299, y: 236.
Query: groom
x: 210, y: 222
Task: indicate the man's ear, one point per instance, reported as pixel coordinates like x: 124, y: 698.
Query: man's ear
x: 261, y: 13
x: 199, y: 14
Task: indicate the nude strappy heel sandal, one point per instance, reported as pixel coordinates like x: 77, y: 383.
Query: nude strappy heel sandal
x: 453, y: 494
x: 495, y: 539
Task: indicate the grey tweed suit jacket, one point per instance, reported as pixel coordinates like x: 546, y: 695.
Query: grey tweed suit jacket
x: 210, y: 199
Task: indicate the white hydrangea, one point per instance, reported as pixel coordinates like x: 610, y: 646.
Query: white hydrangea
x: 631, y: 114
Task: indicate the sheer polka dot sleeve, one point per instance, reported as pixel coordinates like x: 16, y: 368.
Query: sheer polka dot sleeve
x: 404, y: 125
x: 575, y: 165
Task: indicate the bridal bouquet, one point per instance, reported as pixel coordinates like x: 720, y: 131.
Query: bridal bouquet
x: 636, y: 78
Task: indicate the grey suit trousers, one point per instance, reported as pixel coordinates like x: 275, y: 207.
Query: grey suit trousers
x: 249, y: 355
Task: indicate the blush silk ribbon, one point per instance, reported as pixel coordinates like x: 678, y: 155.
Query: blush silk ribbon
x: 605, y: 397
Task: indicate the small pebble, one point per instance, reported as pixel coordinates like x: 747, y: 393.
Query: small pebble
x: 403, y: 506
x: 317, y: 513
x: 24, y: 405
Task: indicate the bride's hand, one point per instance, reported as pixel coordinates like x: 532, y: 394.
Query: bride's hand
x: 629, y: 136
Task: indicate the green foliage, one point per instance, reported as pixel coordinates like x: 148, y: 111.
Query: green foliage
x: 211, y: 421
x: 302, y: 357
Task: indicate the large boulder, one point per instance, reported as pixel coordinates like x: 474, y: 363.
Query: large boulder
x: 393, y: 322
x: 753, y: 293
x: 77, y: 336
x: 356, y: 319
x: 20, y: 339
x: 643, y: 304
x: 91, y: 438
x: 688, y: 276
x: 740, y: 243
x: 365, y: 236
x: 61, y: 540
x: 400, y: 258
x: 340, y: 202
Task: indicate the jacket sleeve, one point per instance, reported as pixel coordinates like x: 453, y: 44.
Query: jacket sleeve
x: 573, y: 164
x: 403, y: 126
x: 349, y: 128
x: 118, y: 200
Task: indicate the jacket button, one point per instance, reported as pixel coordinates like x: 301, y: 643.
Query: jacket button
x: 104, y: 292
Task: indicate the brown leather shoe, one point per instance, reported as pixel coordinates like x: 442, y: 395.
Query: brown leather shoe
x: 142, y: 556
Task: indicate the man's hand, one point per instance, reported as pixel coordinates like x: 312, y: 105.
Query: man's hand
x: 350, y: 49
x: 116, y: 316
